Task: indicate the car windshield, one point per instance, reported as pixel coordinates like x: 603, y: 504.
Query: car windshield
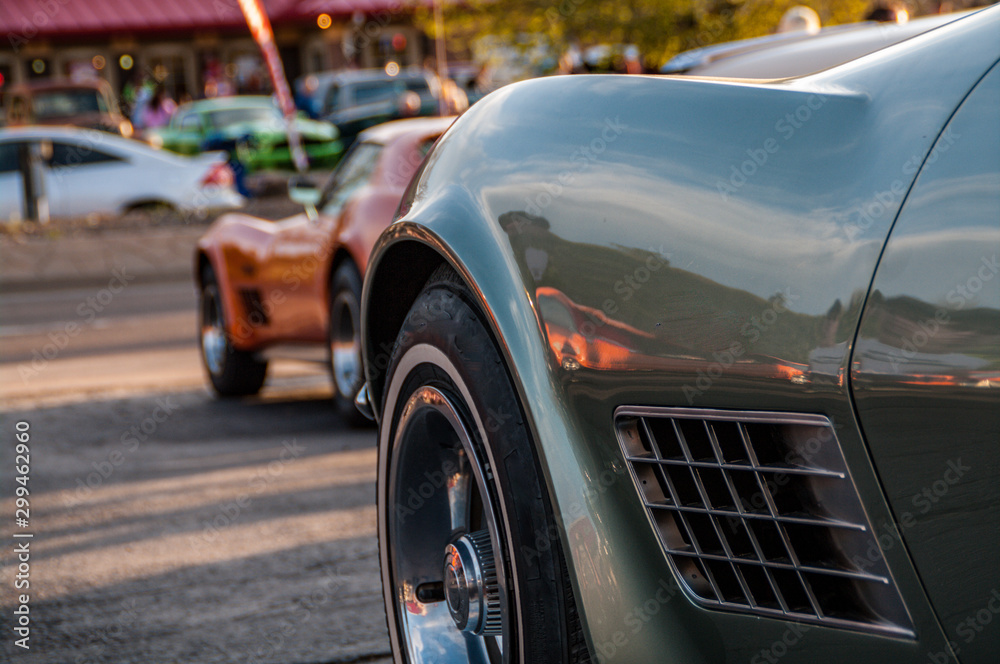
x: 374, y: 91
x: 61, y: 103
x: 230, y: 116
x: 353, y: 173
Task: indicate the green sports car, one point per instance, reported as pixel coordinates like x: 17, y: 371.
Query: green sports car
x: 699, y: 370
x: 251, y: 124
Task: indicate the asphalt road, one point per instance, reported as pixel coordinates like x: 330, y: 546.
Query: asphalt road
x: 168, y: 526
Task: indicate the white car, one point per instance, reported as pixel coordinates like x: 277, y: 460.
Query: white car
x: 85, y: 172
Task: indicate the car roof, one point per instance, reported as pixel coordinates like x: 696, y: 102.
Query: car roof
x: 795, y: 54
x: 696, y: 57
x: 94, y: 136
x: 235, y: 101
x: 390, y: 131
x: 342, y: 76
x: 95, y: 139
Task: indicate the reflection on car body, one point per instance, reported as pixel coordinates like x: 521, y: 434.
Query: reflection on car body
x: 739, y: 443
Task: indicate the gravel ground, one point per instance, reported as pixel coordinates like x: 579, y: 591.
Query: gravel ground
x: 178, y: 528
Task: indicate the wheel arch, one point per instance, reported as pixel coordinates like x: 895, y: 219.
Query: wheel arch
x: 149, y: 202
x: 391, y: 285
x: 403, y: 260
x: 341, y: 254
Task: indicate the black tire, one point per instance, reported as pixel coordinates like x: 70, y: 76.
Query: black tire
x: 232, y: 372
x: 450, y: 412
x: 343, y: 338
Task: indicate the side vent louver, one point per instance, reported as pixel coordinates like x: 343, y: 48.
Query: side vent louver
x: 757, y: 513
x: 254, y: 307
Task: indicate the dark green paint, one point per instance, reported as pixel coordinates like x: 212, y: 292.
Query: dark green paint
x: 926, y: 374
x: 550, y: 196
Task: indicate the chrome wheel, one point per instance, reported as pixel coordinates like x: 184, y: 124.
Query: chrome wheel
x: 344, y: 339
x: 471, y: 561
x: 232, y: 372
x: 447, y: 566
x: 213, y: 336
x: 345, y: 346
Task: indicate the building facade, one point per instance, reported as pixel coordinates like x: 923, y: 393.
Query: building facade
x: 199, y: 48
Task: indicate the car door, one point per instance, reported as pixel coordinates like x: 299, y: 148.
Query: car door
x: 84, y: 177
x: 926, y: 375
x: 187, y: 133
x: 301, y: 252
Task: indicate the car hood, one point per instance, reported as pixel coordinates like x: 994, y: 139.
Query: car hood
x: 271, y: 132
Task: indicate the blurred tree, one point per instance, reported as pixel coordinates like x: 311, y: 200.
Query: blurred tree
x: 659, y: 28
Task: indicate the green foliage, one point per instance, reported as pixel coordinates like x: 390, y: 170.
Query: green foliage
x: 660, y: 28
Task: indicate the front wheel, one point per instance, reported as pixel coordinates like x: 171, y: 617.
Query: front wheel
x: 463, y: 508
x: 233, y: 372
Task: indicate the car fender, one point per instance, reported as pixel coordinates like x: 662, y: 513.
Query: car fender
x: 363, y: 221
x: 680, y: 207
x: 234, y: 246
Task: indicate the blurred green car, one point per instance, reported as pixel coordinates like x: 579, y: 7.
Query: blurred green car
x: 253, y: 127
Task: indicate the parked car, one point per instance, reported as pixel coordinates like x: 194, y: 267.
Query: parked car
x: 799, y: 52
x: 357, y: 99
x: 265, y: 285
x: 699, y: 370
x: 84, y: 172
x: 87, y: 104
x: 255, y: 128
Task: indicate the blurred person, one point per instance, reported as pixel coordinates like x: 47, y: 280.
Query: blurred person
x: 129, y: 92
x: 571, y: 61
x: 232, y: 147
x: 159, y: 110
x: 456, y: 101
x: 799, y: 18
x: 143, y: 93
x: 888, y: 13
x: 632, y: 63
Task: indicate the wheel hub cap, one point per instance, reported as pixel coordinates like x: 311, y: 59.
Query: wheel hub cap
x: 345, y: 349
x: 470, y: 584
x: 213, y: 343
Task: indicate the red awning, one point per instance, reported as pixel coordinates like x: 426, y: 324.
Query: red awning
x: 23, y: 20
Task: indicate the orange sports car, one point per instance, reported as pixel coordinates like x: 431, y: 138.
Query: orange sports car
x: 292, y: 288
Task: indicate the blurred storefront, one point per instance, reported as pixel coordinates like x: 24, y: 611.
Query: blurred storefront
x: 198, y: 48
